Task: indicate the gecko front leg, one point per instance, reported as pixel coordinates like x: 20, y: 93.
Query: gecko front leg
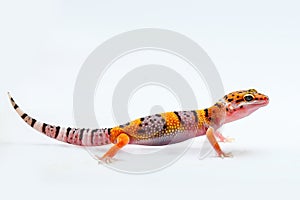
x: 211, y: 138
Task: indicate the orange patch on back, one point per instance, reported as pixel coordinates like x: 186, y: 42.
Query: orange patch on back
x: 201, y: 118
x: 132, y: 127
x: 172, y: 122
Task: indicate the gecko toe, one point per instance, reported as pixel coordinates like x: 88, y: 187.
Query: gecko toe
x: 105, y: 160
x: 229, y: 140
x: 225, y: 155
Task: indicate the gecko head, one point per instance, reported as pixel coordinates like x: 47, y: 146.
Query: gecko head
x: 242, y: 103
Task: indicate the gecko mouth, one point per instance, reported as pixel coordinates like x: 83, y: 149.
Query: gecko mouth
x: 266, y: 102
x: 257, y: 104
x: 261, y: 102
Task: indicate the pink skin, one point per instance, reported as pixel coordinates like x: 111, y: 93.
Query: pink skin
x: 235, y: 111
x: 50, y: 131
x: 76, y: 138
x: 71, y: 136
x: 97, y: 139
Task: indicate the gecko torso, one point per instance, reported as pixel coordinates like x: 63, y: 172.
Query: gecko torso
x: 159, y: 129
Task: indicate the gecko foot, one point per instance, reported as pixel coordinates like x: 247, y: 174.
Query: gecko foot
x: 225, y: 155
x: 227, y: 140
x: 222, y: 138
x: 105, y: 160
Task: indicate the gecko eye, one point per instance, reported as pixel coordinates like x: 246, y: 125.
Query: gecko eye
x: 248, y: 97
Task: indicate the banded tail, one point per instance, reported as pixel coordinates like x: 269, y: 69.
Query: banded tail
x: 76, y: 136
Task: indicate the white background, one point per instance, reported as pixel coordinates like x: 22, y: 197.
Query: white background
x: 253, y: 44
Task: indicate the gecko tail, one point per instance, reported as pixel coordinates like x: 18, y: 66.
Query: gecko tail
x: 76, y: 136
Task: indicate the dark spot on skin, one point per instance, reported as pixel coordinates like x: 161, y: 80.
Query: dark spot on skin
x: 141, y: 131
x: 33, y: 122
x: 44, y: 127
x: 92, y: 136
x: 225, y: 96
x: 206, y: 112
x: 179, y: 118
x: 239, y: 100
x: 122, y: 126
x: 81, y: 134
x: 226, y: 109
x: 230, y: 100
x: 209, y: 118
x: 218, y: 105
x: 241, y: 106
x: 238, y: 96
x: 195, y: 115
x: 24, y: 115
x: 56, y: 131
x: 142, y: 118
x: 68, y: 131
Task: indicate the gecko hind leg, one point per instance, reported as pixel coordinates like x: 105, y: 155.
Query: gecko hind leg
x: 211, y: 138
x: 122, y: 140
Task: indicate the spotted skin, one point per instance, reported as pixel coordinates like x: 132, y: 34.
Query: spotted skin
x: 159, y: 129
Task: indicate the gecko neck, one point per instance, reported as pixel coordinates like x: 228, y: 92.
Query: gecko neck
x: 217, y: 114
